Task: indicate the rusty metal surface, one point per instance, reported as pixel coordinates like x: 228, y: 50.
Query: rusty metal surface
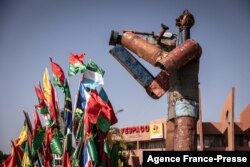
x: 185, y: 134
x: 159, y: 85
x: 141, y: 47
x: 155, y: 86
x: 168, y: 61
x: 132, y: 65
x: 179, y: 56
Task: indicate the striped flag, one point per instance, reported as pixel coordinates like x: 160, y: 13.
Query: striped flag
x: 27, y: 159
x: 67, y: 108
x: 58, y: 76
x: 43, y: 109
x: 93, y: 76
x: 76, y: 64
x: 38, y: 134
x: 68, y: 128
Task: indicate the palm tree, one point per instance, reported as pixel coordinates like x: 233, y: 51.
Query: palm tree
x: 125, y: 149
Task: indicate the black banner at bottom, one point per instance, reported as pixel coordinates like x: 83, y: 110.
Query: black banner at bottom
x: 196, y: 158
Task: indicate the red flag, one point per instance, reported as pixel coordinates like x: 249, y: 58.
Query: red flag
x: 76, y: 58
x: 37, y: 123
x: 94, y: 107
x: 12, y: 159
x: 47, y: 157
x: 58, y: 74
x: 52, y: 104
x: 41, y: 99
x: 97, y: 106
x: 27, y: 119
x: 40, y: 93
x: 113, y: 118
x: 29, y: 131
x: 66, y: 159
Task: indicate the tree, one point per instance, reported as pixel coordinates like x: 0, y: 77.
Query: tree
x: 125, y: 149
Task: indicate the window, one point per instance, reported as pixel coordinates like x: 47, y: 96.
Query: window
x: 214, y: 141
x: 152, y: 144
x: 241, y: 140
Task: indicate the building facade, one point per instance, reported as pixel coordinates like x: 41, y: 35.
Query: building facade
x: 226, y: 135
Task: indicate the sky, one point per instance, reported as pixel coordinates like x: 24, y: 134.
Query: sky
x: 32, y: 31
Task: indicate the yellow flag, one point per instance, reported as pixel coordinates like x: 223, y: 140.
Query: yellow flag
x: 22, y: 136
x: 46, y: 85
x: 26, y: 160
x: 119, y: 163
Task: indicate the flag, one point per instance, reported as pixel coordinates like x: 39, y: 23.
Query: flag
x: 39, y: 94
x: 111, y: 114
x: 49, y: 94
x: 57, y: 75
x: 41, y: 99
x: 67, y: 107
x: 29, y: 125
x: 46, y: 85
x: 93, y: 76
x: 79, y: 111
x: 96, y: 106
x: 52, y: 104
x: 29, y: 129
x: 67, y: 150
x: 76, y: 64
x: 68, y: 126
x: 48, y: 155
x: 38, y: 134
x: 105, y: 153
x: 22, y: 136
x: 27, y: 159
x: 12, y: 159
x: 52, y: 144
x: 89, y: 156
x: 103, y: 124
x: 92, y: 66
x: 55, y: 143
x: 66, y: 159
x: 86, y: 161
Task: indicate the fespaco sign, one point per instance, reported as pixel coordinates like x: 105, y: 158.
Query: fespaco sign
x: 135, y: 129
x: 154, y: 130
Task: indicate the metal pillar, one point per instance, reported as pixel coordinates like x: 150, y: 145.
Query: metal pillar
x: 185, y: 126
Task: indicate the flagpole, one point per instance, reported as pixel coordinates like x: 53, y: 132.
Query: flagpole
x: 38, y: 154
x: 75, y: 102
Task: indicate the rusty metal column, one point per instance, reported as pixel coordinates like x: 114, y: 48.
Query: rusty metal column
x: 185, y: 126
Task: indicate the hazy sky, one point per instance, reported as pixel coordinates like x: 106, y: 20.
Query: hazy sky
x: 31, y: 31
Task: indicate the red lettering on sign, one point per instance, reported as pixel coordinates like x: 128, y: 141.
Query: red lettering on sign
x: 126, y: 131
x: 147, y: 128
x: 135, y: 129
x: 142, y: 128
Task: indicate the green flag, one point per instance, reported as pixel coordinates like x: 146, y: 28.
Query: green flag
x: 57, y: 75
x: 27, y: 160
x: 103, y: 124
x: 56, y: 143
x: 38, y: 134
x: 76, y: 64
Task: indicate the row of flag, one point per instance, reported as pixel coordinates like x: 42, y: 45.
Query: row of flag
x: 85, y: 140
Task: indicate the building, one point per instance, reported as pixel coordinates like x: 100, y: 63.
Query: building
x: 225, y: 135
